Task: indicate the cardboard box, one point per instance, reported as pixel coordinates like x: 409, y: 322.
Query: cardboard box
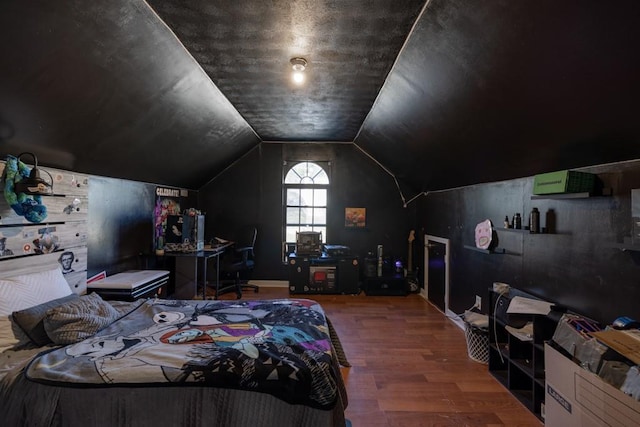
x: 626, y: 342
x: 565, y: 181
x: 577, y: 398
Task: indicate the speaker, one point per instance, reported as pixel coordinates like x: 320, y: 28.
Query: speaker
x: 298, y: 275
x: 386, y: 285
x: 348, y: 275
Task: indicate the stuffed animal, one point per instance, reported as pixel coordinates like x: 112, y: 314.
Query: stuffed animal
x: 30, y: 207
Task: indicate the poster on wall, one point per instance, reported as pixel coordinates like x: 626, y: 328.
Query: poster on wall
x: 167, y: 203
x: 355, y: 217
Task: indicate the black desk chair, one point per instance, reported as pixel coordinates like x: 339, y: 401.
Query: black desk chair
x: 237, y: 264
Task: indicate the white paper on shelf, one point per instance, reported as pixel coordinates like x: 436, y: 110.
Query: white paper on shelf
x: 523, y: 334
x: 524, y: 305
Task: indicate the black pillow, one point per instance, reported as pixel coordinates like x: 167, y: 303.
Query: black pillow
x: 31, y: 320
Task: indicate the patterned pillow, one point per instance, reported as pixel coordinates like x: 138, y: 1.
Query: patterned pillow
x: 31, y: 320
x: 79, y: 319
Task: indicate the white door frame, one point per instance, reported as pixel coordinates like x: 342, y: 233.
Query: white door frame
x: 425, y: 292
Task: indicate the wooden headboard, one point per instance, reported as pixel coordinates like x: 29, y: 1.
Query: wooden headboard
x: 60, y: 240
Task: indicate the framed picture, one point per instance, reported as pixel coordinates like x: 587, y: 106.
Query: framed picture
x: 355, y: 217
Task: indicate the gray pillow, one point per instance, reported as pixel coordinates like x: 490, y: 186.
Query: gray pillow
x: 79, y: 319
x: 31, y: 320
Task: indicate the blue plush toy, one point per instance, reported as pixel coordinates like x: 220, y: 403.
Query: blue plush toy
x: 30, y: 207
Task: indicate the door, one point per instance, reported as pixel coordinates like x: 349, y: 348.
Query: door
x: 436, y: 271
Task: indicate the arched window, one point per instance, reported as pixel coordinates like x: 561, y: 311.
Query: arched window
x: 306, y: 185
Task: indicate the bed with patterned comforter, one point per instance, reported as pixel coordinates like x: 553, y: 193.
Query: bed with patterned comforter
x: 177, y: 362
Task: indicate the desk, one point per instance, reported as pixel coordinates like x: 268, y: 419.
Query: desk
x: 206, y: 254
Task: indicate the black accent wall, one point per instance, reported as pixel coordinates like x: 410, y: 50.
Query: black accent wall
x: 120, y: 225
x: 250, y: 192
x: 577, y: 266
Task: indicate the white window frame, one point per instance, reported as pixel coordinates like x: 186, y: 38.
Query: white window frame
x: 305, y: 182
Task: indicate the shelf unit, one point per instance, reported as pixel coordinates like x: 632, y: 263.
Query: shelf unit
x: 605, y: 192
x: 518, y: 230
x: 518, y: 365
x: 499, y: 250
x: 561, y: 196
x: 496, y: 251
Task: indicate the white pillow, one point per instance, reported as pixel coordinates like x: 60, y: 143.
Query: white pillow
x: 24, y: 291
x: 28, y: 290
x: 7, y: 338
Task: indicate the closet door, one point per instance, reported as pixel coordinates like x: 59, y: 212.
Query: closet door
x: 436, y: 273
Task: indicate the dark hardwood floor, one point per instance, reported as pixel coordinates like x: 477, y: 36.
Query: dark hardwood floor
x: 410, y: 365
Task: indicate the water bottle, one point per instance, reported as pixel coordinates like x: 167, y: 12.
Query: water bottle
x: 517, y: 221
x: 534, y: 221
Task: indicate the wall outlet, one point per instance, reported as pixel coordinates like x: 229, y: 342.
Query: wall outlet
x: 478, y: 302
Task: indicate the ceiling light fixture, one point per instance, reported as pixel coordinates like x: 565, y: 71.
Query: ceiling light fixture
x: 298, y: 65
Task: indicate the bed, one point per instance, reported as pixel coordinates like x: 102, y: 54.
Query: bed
x: 79, y: 360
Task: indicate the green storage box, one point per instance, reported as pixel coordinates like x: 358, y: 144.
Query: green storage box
x: 564, y: 182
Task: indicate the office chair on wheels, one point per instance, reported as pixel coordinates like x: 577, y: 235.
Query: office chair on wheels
x: 237, y: 264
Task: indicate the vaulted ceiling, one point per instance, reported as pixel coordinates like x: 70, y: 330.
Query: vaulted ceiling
x: 442, y: 93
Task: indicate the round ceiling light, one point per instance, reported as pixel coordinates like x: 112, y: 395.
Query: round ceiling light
x: 298, y: 65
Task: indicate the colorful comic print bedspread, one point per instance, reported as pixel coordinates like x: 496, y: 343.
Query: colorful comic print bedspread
x: 281, y: 347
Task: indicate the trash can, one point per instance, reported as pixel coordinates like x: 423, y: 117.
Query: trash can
x: 476, y: 332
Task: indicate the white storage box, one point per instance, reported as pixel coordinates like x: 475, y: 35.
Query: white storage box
x: 576, y: 397
x: 131, y: 285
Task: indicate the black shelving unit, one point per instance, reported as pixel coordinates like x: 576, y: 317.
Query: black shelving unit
x: 604, y: 192
x: 495, y: 251
x: 561, y: 196
x: 519, y: 230
x: 519, y: 365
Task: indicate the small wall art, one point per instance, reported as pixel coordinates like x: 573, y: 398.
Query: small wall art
x: 355, y: 217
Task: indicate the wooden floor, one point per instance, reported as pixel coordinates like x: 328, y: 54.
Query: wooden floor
x: 410, y: 365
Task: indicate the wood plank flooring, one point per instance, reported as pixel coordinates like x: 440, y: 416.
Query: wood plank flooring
x: 410, y: 365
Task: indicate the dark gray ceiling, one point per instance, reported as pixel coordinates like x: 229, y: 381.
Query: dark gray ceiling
x: 442, y: 94
x: 245, y: 47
